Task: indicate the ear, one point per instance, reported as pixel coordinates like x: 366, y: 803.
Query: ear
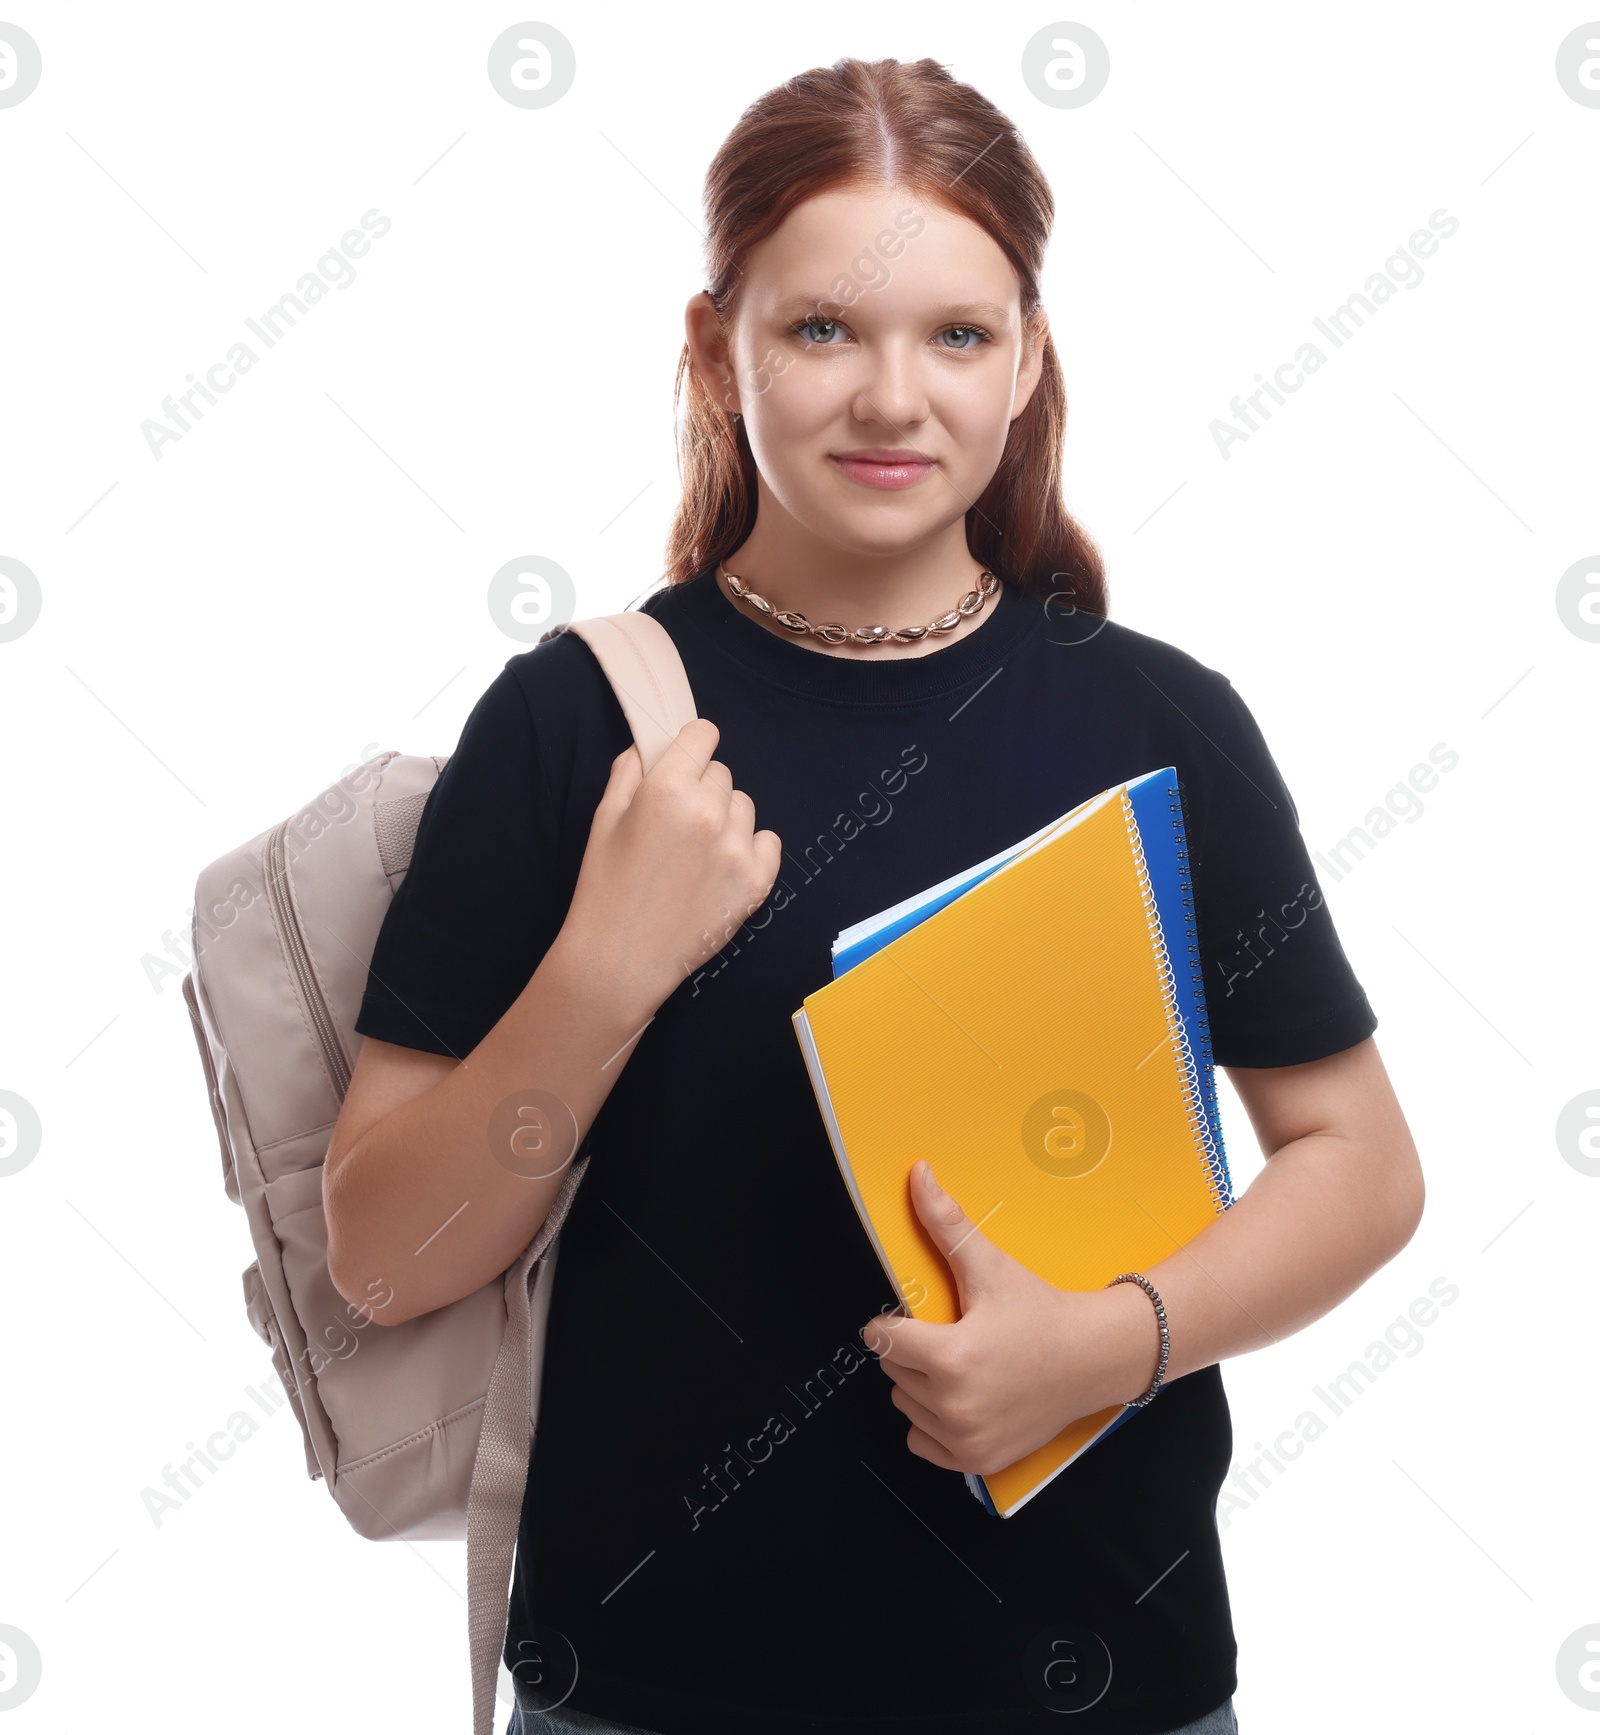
x: 708, y: 351
x: 1035, y: 331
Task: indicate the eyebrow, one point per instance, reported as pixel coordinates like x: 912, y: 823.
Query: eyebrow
x: 949, y: 310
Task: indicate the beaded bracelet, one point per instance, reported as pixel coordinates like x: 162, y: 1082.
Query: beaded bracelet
x: 1161, y: 1320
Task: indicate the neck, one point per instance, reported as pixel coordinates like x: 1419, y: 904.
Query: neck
x: 894, y: 591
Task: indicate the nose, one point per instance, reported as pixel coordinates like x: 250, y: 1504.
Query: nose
x: 892, y: 393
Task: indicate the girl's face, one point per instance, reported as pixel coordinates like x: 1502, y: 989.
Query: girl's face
x: 872, y: 321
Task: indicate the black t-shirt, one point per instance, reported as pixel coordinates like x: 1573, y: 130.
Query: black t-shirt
x: 724, y: 1532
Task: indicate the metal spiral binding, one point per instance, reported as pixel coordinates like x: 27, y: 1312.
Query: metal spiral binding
x: 1201, y: 1091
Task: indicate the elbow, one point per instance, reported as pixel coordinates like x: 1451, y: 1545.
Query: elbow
x: 1418, y: 1205
x: 350, y: 1268
x: 1408, y: 1200
x: 373, y: 1299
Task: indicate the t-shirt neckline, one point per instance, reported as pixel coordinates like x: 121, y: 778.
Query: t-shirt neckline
x: 1011, y: 616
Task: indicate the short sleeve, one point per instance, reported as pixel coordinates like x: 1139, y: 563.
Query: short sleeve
x: 480, y: 903
x: 1279, y: 990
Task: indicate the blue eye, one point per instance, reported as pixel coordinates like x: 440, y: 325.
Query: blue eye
x: 815, y: 322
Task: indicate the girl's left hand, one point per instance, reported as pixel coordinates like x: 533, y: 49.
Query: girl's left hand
x: 1023, y: 1360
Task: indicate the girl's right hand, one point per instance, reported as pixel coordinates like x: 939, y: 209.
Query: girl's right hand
x: 672, y: 869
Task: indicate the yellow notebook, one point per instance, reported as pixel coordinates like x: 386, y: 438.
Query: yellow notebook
x: 1036, y: 1029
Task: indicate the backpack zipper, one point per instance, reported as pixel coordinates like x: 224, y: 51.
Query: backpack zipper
x: 291, y: 936
x: 230, y: 1181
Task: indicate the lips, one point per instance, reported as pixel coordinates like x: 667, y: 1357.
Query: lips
x: 878, y: 468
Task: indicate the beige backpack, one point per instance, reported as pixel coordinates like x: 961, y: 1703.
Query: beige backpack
x: 421, y: 1429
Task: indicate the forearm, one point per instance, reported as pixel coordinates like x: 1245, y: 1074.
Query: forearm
x: 446, y: 1190
x: 1320, y: 1218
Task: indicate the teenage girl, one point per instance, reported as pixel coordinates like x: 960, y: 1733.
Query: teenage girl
x: 744, y: 1513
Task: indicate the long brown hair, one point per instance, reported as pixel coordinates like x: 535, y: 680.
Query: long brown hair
x: 902, y: 123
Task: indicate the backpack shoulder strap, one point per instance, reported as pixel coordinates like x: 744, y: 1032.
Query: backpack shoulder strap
x: 638, y: 657
x: 642, y: 663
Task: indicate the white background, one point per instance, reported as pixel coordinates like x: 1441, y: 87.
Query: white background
x: 226, y: 628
